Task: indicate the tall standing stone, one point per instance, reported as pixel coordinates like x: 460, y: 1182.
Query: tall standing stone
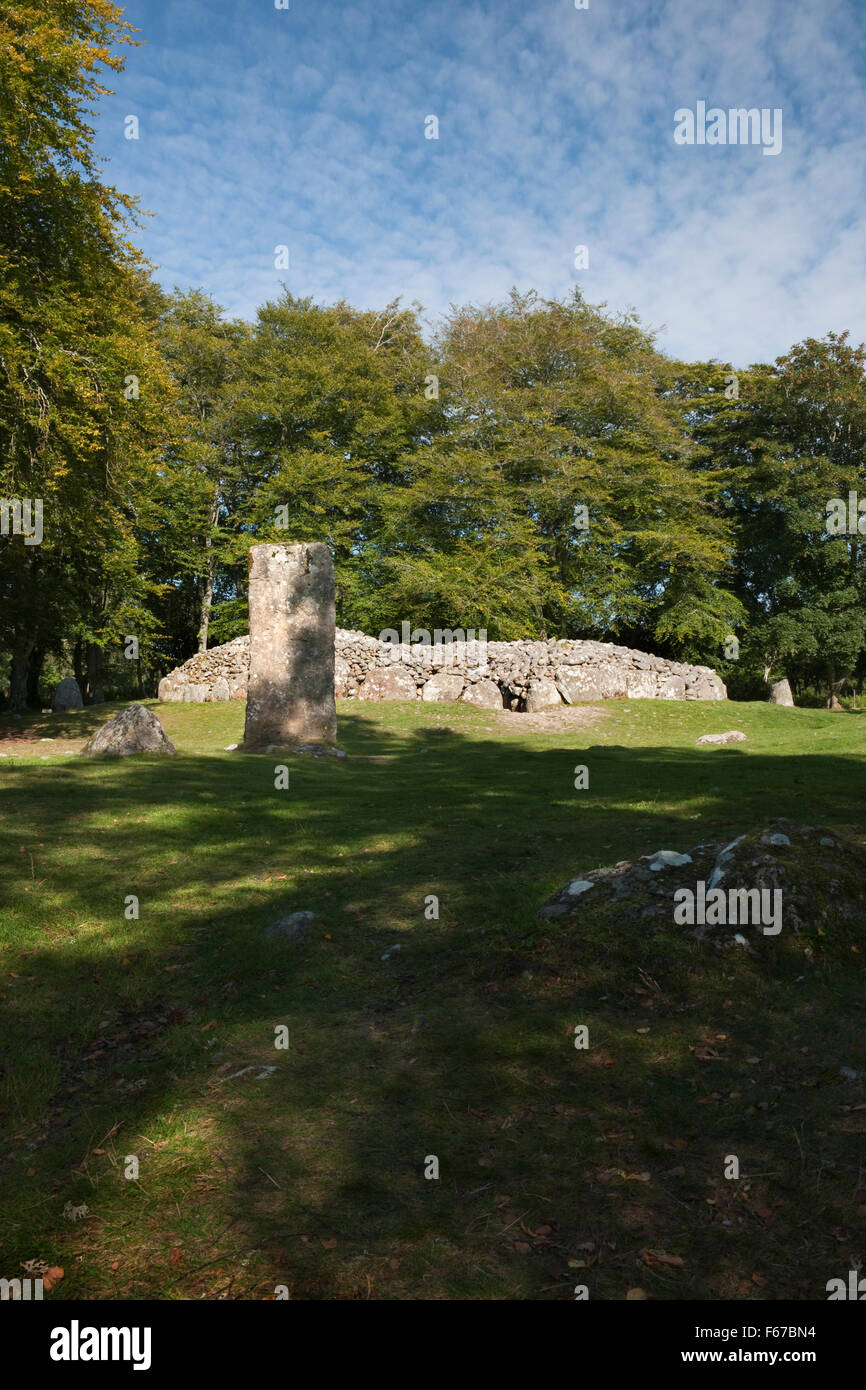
x: 290, y: 697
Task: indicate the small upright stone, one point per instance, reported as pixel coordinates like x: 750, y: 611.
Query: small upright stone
x: 290, y: 697
x: 67, y: 695
x: 781, y: 694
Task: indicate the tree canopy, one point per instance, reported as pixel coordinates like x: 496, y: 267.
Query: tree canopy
x: 533, y: 467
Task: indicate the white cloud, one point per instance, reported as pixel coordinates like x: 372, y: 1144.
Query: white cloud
x: 306, y: 127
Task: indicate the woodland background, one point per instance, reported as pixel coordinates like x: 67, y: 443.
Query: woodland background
x: 442, y: 464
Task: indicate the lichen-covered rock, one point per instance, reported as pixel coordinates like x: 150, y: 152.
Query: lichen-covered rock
x: 767, y: 883
x: 580, y: 683
x: 781, y: 694
x: 542, y: 694
x: 444, y: 685
x: 644, y: 685
x: 134, y: 730
x: 387, y: 683
x: 731, y: 736
x: 486, y: 694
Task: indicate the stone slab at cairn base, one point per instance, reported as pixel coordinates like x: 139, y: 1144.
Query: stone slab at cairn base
x: 290, y: 696
x: 541, y: 695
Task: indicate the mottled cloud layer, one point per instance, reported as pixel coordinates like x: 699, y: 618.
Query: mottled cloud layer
x: 305, y: 127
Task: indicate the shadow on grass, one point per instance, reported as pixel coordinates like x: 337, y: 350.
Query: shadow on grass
x: 555, y: 1167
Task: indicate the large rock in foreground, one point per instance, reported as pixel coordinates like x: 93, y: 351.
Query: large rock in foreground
x: 780, y: 879
x: 135, y: 730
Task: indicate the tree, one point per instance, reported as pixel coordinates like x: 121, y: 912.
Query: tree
x: 559, y: 497
x: 332, y: 401
x: 76, y: 434
x: 205, y: 476
x: 793, y: 442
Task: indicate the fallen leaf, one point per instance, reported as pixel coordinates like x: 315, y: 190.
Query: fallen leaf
x: 652, y: 1258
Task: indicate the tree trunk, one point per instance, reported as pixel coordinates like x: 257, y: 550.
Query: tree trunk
x: 78, y: 664
x: 206, y: 604
x: 34, y: 676
x: 207, y: 592
x: 18, y: 673
x: 95, y: 693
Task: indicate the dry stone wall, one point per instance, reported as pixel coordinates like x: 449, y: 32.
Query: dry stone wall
x: 497, y: 675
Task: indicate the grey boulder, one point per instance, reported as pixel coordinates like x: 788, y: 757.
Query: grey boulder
x: 134, y: 730
x: 732, y: 736
x: 485, y: 694
x: 67, y: 695
x: 542, y: 694
x: 781, y: 694
x: 291, y: 928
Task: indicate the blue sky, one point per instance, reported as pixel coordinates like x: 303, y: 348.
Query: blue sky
x: 305, y: 127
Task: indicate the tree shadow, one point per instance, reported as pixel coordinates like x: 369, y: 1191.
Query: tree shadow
x: 456, y: 1046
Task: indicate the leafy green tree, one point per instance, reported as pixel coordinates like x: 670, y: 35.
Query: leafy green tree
x: 559, y: 498
x: 204, y: 479
x: 332, y: 401
x: 794, y: 441
x: 76, y: 434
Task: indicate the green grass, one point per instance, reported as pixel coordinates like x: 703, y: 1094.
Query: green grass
x: 557, y: 1166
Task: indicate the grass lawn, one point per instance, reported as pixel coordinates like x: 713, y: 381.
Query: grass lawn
x: 557, y: 1166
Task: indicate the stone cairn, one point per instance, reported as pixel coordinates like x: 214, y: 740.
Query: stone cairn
x: 290, y: 653
x: 523, y: 675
